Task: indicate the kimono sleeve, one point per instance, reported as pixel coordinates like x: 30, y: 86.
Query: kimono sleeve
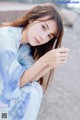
x: 10, y: 72
x: 9, y: 37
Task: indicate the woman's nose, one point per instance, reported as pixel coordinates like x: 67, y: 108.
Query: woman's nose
x: 43, y: 37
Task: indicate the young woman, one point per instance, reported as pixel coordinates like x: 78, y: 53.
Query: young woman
x: 29, y: 52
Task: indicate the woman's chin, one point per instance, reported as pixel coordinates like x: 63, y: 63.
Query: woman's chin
x: 33, y: 43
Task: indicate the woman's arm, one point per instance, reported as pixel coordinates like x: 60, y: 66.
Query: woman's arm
x: 53, y: 59
x: 42, y: 72
x: 33, y: 71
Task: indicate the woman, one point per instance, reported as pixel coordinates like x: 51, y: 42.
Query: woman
x: 29, y: 52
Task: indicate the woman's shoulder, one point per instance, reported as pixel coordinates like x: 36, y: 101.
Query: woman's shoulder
x: 9, y: 38
x: 9, y: 29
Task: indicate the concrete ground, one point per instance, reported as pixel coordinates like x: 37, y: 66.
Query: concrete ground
x: 62, y: 100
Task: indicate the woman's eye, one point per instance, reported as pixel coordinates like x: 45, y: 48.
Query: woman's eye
x: 43, y: 27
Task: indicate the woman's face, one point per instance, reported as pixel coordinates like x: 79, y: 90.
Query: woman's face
x: 40, y: 32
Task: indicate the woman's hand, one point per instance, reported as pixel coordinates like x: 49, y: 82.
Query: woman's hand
x: 56, y: 57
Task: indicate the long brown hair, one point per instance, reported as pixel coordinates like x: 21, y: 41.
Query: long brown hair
x: 35, y: 13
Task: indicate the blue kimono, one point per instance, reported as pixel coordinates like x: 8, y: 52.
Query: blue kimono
x: 16, y: 103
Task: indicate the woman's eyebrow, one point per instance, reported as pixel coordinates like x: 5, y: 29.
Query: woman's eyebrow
x: 48, y: 28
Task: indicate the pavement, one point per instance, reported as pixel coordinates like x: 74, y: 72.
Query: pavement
x: 16, y: 6
x: 62, y: 99
x: 13, y: 10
